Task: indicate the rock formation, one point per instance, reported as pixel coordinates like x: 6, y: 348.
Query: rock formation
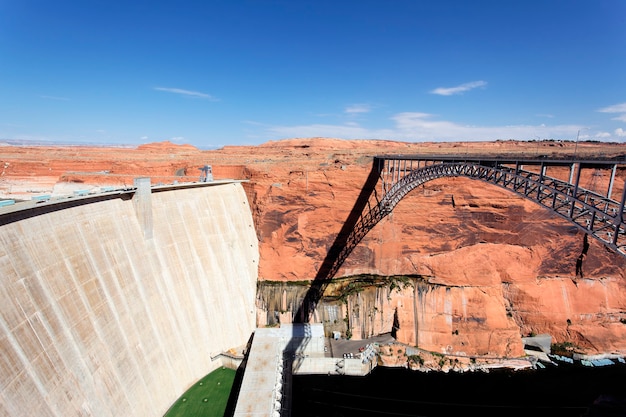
x: 487, y: 267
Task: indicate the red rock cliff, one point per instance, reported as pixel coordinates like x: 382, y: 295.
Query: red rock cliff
x: 494, y: 266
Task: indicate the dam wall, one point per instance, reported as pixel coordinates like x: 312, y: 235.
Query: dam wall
x: 114, y: 307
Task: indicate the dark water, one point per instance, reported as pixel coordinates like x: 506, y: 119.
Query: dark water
x: 566, y: 390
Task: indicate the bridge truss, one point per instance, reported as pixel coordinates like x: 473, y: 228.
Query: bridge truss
x: 600, y: 214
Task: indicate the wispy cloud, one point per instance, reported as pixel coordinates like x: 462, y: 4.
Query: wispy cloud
x: 425, y: 127
x: 348, y: 131
x: 459, y: 89
x: 616, y: 108
x: 187, y: 93
x: 358, y: 108
x: 415, y: 126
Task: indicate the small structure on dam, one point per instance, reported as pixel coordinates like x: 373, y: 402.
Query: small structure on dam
x: 112, y: 303
x: 278, y: 353
x: 207, y: 174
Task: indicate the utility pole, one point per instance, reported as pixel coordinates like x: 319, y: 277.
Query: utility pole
x: 576, y: 146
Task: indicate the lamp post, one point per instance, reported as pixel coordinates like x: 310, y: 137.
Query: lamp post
x: 577, y: 135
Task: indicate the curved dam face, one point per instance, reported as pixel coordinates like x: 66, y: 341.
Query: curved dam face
x: 115, y: 307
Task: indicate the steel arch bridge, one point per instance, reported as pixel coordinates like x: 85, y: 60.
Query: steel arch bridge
x: 600, y: 214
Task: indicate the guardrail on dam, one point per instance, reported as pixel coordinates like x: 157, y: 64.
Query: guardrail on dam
x: 113, y: 304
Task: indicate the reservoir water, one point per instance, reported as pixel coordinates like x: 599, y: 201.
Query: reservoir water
x: 566, y: 390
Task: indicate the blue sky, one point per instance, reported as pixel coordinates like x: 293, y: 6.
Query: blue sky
x: 214, y: 73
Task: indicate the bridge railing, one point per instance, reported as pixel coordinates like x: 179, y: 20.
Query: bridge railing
x: 596, y: 214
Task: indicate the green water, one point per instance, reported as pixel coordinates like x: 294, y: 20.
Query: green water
x: 208, y: 397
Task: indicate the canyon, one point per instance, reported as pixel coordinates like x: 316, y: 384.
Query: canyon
x: 459, y: 267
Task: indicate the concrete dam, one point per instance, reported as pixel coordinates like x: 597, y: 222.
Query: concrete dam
x: 113, y: 304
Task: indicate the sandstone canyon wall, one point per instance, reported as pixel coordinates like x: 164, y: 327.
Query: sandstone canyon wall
x: 491, y: 266
x: 487, y: 266
x: 96, y: 319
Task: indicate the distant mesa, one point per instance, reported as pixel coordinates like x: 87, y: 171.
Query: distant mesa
x: 164, y: 146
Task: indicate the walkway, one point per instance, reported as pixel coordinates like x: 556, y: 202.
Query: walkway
x: 293, y: 349
x: 265, y: 389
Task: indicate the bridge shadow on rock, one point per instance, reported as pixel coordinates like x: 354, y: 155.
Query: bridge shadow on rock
x: 346, y: 240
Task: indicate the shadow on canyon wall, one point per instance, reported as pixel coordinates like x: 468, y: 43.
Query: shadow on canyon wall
x: 337, y: 252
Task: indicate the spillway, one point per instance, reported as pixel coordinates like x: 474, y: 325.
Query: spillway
x: 112, y: 305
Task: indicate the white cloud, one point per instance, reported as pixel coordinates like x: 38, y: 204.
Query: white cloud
x: 460, y: 89
x: 616, y: 108
x: 620, y: 132
x: 358, y: 108
x: 415, y: 126
x: 188, y: 93
x: 423, y: 126
x: 352, y: 131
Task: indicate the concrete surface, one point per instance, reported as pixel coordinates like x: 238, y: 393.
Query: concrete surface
x: 278, y: 353
x: 265, y: 388
x: 100, y: 318
x: 543, y: 342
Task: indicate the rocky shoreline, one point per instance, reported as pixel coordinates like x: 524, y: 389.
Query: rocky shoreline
x: 398, y: 355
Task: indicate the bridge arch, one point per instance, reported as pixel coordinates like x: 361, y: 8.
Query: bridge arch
x: 593, y: 213
x: 393, y: 177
